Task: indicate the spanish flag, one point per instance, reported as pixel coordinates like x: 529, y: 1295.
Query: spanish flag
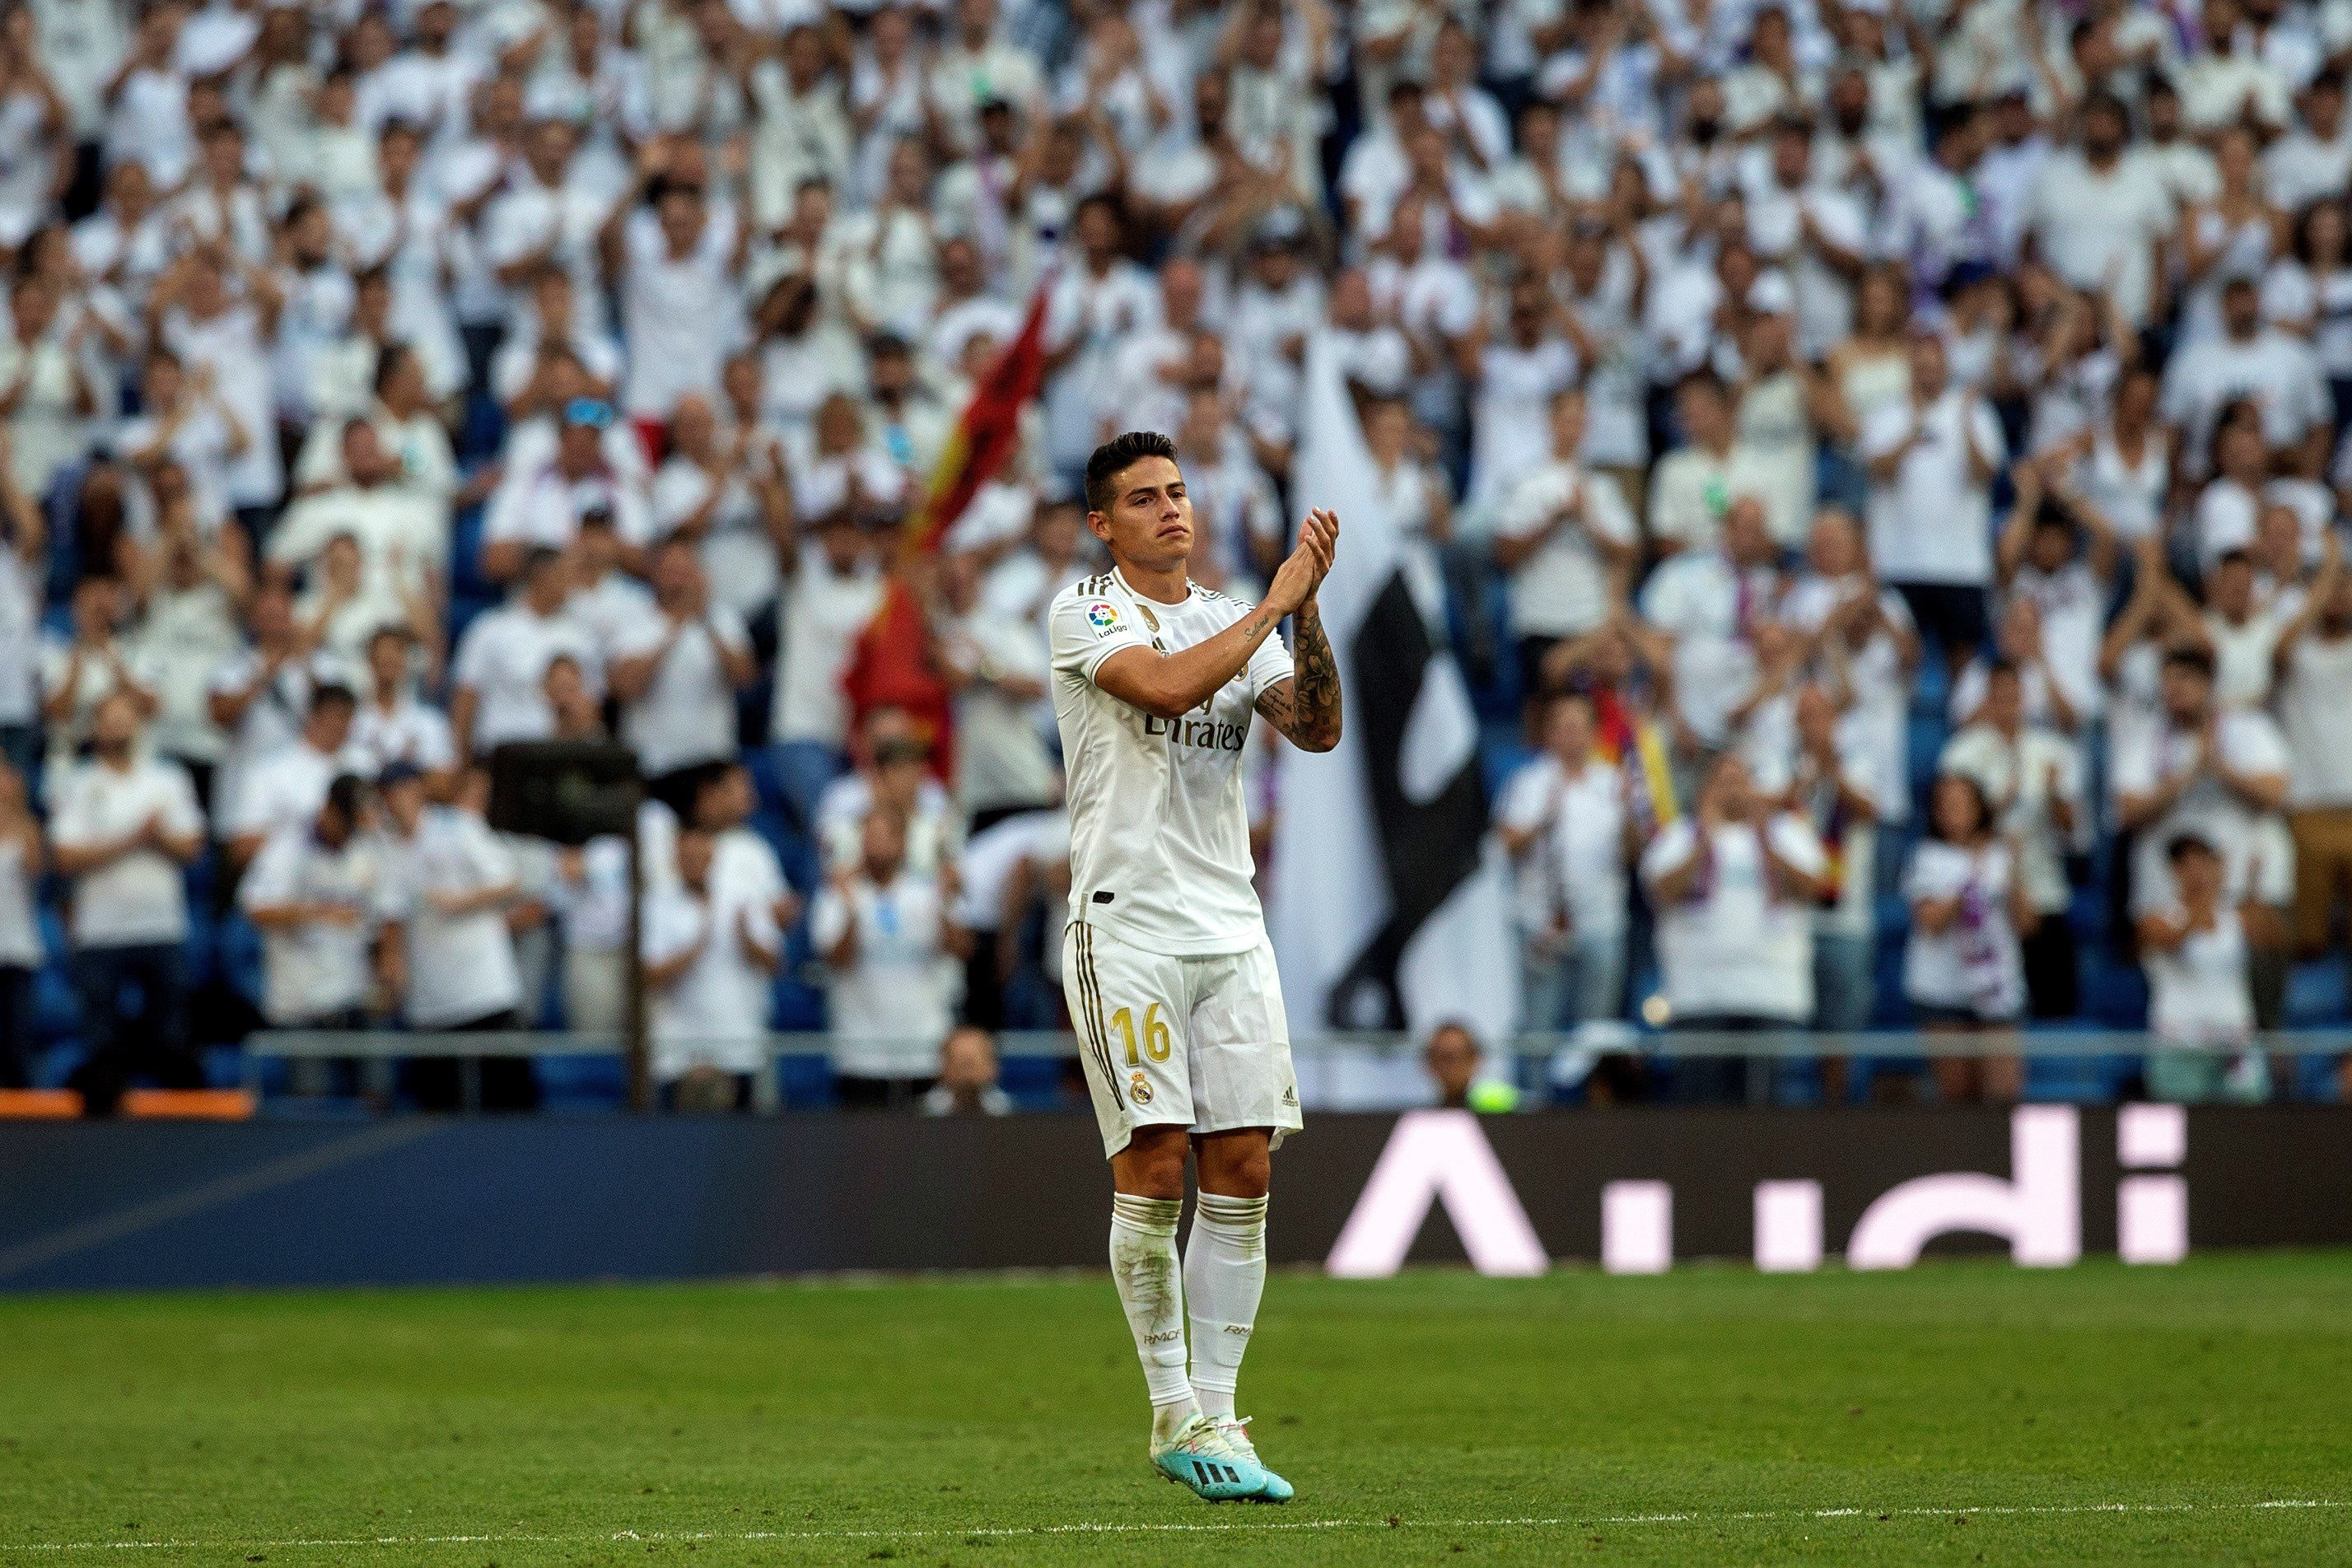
x: 892, y: 665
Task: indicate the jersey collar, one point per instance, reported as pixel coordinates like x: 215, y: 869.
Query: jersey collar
x: 1118, y: 575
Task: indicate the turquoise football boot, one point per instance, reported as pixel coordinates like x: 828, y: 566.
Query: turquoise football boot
x: 1235, y: 1433
x: 1199, y: 1457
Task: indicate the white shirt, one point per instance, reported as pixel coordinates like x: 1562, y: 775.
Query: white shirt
x: 1933, y: 522
x: 1001, y: 754
x: 21, y: 593
x: 1510, y: 421
x: 891, y: 1007
x: 2097, y: 229
x: 1734, y: 949
x: 2314, y: 709
x: 138, y: 899
x: 2276, y: 371
x: 460, y: 970
x: 20, y: 929
x: 1974, y: 962
x: 716, y: 1013
x: 540, y: 505
x: 680, y: 317
x: 688, y: 713
x: 2197, y: 993
x: 2073, y: 605
x: 1159, y: 850
x: 2249, y: 741
x: 319, y: 968
x: 410, y: 731
x: 2016, y: 777
x: 1708, y: 606
x: 985, y: 868
x: 823, y: 611
x: 739, y: 557
x: 283, y: 790
x: 503, y: 659
x: 1576, y: 867
x: 1562, y: 590
x: 403, y: 532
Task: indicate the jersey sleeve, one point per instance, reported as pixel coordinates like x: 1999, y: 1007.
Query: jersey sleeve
x: 1085, y: 631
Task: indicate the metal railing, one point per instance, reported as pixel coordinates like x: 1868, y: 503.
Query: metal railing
x: 1798, y: 1045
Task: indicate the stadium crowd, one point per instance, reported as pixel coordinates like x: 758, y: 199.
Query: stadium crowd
x: 1882, y: 464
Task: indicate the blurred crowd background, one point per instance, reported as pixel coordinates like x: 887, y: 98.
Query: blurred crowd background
x: 1877, y: 465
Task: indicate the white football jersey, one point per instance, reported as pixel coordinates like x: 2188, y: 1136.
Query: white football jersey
x: 1160, y: 851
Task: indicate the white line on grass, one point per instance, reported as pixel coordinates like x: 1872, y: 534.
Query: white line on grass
x: 1179, y: 1526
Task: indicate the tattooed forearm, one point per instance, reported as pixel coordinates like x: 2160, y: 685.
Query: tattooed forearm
x: 1308, y: 708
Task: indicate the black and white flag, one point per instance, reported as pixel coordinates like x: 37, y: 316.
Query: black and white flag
x: 1388, y: 907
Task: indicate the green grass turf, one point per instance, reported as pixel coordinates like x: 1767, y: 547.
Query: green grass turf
x: 958, y: 1421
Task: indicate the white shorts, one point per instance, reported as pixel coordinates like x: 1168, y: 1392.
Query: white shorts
x: 1201, y: 1043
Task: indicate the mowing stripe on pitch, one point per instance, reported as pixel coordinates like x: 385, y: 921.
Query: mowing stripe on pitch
x: 1173, y: 1526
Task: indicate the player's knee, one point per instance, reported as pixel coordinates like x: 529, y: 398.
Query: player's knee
x: 1152, y: 1164
x: 1236, y: 1165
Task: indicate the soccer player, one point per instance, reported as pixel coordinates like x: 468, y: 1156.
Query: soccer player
x: 1165, y: 959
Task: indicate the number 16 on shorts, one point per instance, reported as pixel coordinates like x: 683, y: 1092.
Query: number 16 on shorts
x: 1197, y: 1042
x: 1125, y: 1006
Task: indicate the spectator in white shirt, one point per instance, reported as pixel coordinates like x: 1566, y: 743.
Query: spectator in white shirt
x: 1735, y: 883
x: 23, y: 570
x: 1962, y: 972
x: 448, y: 881
x: 1832, y: 784
x: 502, y: 660
x: 285, y: 789
x: 2314, y: 709
x: 968, y: 1083
x: 2033, y: 779
x: 2246, y: 361
x: 2058, y: 551
x: 725, y: 492
x: 260, y: 694
x: 589, y: 896
x: 124, y: 825
x: 892, y: 956
x: 675, y: 270
x: 316, y: 892
x: 94, y: 664
x: 997, y: 665
x: 24, y: 856
x: 2201, y: 1010
x: 1931, y: 459
x: 1564, y: 821
x: 542, y: 503
x: 2101, y: 217
x: 834, y: 589
x: 709, y: 956
x: 2219, y: 772
x: 395, y: 725
x: 1695, y: 484
x: 675, y: 674
x: 1567, y: 541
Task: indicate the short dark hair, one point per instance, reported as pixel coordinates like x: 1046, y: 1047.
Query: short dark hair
x: 2191, y: 659
x: 1117, y: 454
x: 345, y: 795
x: 2185, y: 843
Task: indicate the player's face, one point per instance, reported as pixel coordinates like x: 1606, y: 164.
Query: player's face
x: 1150, y: 518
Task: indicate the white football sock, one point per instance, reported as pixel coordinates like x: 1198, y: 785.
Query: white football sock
x: 1150, y: 1279
x: 1225, y: 1275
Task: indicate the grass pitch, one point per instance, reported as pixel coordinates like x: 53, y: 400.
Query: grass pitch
x: 1961, y: 1413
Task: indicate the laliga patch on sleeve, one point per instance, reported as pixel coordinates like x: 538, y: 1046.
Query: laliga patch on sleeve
x: 1102, y: 617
